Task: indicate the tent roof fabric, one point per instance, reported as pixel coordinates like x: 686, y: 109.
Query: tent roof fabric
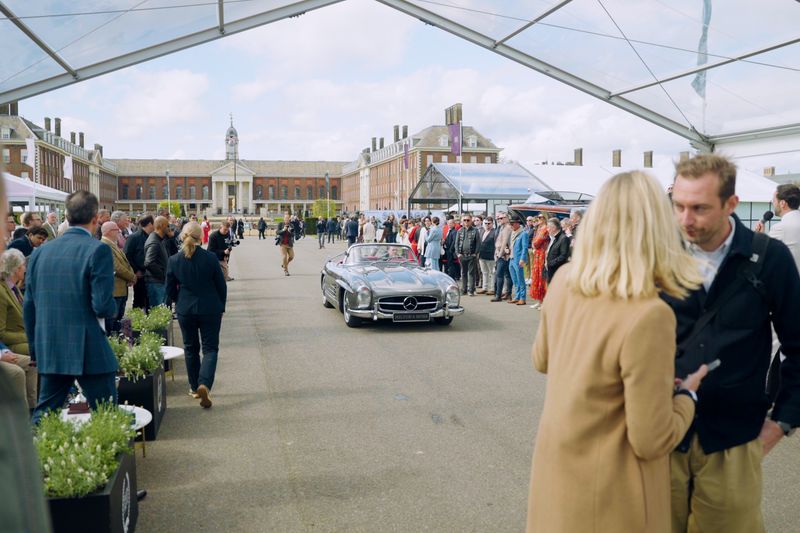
x: 446, y: 182
x: 712, y: 76
x: 20, y: 189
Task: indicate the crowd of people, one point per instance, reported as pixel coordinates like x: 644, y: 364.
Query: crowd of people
x: 83, y: 270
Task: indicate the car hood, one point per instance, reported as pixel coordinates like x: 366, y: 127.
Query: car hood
x: 396, y: 278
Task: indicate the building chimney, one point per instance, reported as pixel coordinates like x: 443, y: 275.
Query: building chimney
x: 648, y: 159
x: 80, y: 139
x: 684, y: 156
x: 578, y: 160
x: 72, y: 137
x: 396, y: 133
x: 58, y: 127
x: 374, y: 143
x: 616, y: 158
x: 381, y: 145
x: 47, y: 123
x: 769, y: 172
x: 405, y: 132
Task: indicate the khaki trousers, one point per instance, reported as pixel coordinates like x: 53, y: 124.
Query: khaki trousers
x: 287, y: 252
x: 717, y: 493
x: 224, y: 265
x: 24, y: 377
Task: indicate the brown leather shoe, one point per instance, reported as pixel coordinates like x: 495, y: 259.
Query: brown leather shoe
x: 205, y: 398
x: 522, y: 302
x: 513, y: 301
x: 489, y: 293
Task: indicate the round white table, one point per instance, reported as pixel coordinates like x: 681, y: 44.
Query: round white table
x: 142, y: 418
x: 169, y: 353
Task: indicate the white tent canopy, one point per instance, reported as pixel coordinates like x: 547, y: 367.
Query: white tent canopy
x: 20, y: 190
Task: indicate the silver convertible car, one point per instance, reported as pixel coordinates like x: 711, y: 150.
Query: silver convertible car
x: 385, y: 281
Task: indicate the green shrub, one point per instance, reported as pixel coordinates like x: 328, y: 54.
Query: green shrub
x: 311, y: 225
x: 156, y: 320
x: 141, y: 359
x: 78, y: 459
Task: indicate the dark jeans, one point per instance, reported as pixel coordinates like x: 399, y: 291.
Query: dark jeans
x: 54, y: 388
x: 113, y: 324
x: 156, y: 292
x: 330, y: 236
x: 321, y: 238
x: 140, y: 294
x: 261, y: 234
x: 194, y: 328
x: 351, y: 241
x: 502, y: 274
x: 468, y: 274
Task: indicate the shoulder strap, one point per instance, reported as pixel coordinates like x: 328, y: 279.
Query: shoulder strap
x: 748, y: 271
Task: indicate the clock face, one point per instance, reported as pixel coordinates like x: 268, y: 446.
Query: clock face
x: 231, y: 140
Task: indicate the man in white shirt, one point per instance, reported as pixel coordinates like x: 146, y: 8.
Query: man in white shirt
x: 786, y: 202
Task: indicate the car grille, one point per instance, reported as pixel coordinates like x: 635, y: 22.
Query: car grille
x: 394, y: 304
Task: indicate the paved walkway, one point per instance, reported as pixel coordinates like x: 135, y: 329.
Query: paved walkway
x: 318, y: 427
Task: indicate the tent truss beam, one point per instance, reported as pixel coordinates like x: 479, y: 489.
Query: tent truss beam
x: 540, y: 66
x: 162, y: 49
x: 221, y: 16
x: 39, y: 42
x: 534, y: 21
x: 706, y: 67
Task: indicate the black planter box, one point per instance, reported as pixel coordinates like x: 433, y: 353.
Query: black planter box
x: 113, y: 509
x: 149, y: 392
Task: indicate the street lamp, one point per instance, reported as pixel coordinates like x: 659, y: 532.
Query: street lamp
x: 169, y: 200
x: 328, y: 191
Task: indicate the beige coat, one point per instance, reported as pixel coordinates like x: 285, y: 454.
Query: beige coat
x: 601, y: 458
x: 123, y: 273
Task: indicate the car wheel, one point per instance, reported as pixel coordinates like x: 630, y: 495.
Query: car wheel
x: 444, y: 320
x: 349, y: 319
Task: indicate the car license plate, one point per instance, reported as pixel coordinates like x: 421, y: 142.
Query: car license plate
x: 411, y: 317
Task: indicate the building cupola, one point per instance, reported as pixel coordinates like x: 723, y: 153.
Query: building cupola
x: 231, y: 142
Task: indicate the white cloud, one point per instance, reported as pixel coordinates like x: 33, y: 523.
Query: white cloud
x: 153, y: 101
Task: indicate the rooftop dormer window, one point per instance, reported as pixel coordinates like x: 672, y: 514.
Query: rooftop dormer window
x: 443, y: 141
x: 472, y: 141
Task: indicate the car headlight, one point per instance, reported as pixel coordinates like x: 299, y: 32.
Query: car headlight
x: 363, y: 297
x: 452, y: 296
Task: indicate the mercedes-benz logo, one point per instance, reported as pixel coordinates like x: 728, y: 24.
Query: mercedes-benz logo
x: 410, y: 303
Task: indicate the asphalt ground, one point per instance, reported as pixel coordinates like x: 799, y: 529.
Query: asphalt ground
x: 319, y: 427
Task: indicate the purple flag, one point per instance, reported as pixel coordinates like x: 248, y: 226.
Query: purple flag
x: 405, y: 156
x: 455, y: 138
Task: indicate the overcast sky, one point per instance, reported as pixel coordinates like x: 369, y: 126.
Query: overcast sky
x: 319, y: 86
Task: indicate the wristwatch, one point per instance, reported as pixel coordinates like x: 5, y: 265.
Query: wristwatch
x: 786, y: 428
x: 690, y: 393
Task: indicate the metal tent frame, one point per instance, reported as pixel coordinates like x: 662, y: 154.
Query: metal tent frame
x: 231, y: 18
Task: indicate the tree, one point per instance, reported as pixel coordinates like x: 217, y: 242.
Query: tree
x: 323, y: 208
x: 173, y: 207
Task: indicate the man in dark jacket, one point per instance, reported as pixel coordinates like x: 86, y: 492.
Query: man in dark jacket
x: 331, y: 229
x: 322, y: 225
x: 262, y: 227
x: 32, y: 239
x: 155, y: 262
x: 752, y: 286
x: 284, y: 237
x: 219, y: 246
x: 467, y: 245
x: 134, y: 251
x: 351, y: 230
x: 558, y: 250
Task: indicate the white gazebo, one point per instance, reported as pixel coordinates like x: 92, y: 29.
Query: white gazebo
x: 31, y: 196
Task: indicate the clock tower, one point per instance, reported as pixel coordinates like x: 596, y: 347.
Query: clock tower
x: 231, y: 143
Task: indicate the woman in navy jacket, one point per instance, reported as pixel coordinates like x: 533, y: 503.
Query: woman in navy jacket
x: 196, y: 284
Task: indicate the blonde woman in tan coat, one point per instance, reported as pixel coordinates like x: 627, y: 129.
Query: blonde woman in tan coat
x: 607, y: 344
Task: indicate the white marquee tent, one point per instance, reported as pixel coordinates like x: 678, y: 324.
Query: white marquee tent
x: 20, y: 191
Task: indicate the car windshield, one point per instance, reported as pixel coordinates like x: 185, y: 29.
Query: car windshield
x: 379, y: 252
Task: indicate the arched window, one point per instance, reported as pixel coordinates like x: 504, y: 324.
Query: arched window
x: 152, y: 192
x: 138, y: 192
x: 322, y: 192
x: 192, y: 192
x: 123, y: 193
x: 271, y: 192
x: 310, y: 192
x: 164, y: 192
x: 205, y: 192
x: 297, y: 192
x: 284, y: 192
x: 178, y: 192
x: 259, y: 192
x: 333, y: 192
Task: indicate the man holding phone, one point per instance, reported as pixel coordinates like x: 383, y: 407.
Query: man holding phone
x: 750, y: 285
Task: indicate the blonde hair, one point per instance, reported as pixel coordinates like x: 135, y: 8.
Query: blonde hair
x: 190, y: 238
x: 629, y: 245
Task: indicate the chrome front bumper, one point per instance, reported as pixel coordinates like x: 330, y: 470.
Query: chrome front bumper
x: 375, y: 314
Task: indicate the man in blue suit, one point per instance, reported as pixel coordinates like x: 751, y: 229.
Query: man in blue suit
x: 69, y: 289
x: 433, y: 243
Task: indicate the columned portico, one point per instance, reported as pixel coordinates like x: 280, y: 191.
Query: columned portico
x: 232, y: 189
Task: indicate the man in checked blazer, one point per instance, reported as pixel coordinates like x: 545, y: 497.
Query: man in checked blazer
x: 69, y: 288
